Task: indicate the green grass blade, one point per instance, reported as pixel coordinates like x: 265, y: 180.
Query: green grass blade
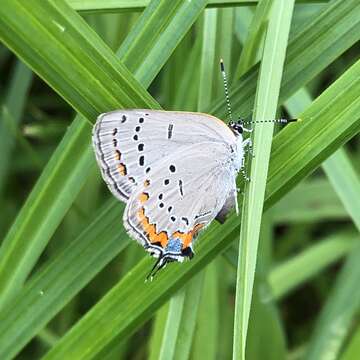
x: 338, y: 167
x: 289, y: 146
x: 172, y: 327
x: 252, y: 44
x: 54, y: 285
x: 338, y: 314
x: 295, y: 271
x: 352, y: 350
x: 157, y: 333
x: 207, y: 327
x: 26, y: 27
x: 188, y: 321
x: 346, y: 183
x: 140, y: 46
x: 264, y: 321
x: 14, y: 102
x: 138, y: 5
x: 265, y: 108
x: 309, y: 202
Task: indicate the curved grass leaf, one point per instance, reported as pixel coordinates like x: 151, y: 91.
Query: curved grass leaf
x: 337, y: 316
x: 14, y: 102
x: 290, y: 274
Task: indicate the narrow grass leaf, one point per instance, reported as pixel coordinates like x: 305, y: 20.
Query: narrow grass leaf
x: 254, y: 39
x: 139, y: 5
x: 352, y: 350
x: 309, y: 202
x: 292, y: 273
x: 346, y: 183
x: 265, y: 108
x: 14, y: 102
x: 337, y: 316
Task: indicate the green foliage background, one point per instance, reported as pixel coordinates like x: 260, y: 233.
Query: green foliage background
x: 71, y: 280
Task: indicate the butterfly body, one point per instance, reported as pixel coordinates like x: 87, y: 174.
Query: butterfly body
x: 176, y: 172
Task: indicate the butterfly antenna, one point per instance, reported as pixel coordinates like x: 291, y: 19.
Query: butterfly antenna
x: 281, y: 121
x: 228, y: 105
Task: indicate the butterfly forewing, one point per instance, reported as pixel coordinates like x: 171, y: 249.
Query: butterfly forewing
x: 129, y: 143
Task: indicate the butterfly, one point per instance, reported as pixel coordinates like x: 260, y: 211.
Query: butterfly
x: 175, y: 171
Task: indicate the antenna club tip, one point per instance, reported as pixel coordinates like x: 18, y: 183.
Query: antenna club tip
x: 222, y: 65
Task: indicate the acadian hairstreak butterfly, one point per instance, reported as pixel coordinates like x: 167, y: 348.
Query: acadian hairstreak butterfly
x: 176, y: 172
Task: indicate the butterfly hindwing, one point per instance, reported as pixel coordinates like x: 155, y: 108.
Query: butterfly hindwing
x: 179, y: 197
x: 129, y: 143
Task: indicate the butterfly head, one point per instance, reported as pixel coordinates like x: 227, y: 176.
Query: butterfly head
x: 237, y: 127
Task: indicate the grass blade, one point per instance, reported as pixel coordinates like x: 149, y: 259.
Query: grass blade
x: 336, y: 318
x: 346, y: 183
x: 290, y: 274
x: 265, y: 108
x: 14, y: 103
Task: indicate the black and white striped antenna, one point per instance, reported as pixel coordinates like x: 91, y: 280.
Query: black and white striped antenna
x: 228, y: 105
x: 281, y: 121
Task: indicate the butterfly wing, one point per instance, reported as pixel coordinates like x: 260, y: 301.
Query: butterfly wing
x: 180, y: 197
x: 129, y: 143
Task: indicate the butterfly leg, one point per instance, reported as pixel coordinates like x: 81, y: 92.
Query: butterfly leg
x: 248, y: 130
x: 235, y: 198
x: 247, y: 146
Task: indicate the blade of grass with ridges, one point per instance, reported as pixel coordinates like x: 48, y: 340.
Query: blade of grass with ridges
x: 264, y: 321
x: 14, y: 102
x: 338, y: 314
x: 119, y: 313
x: 254, y: 37
x: 337, y: 167
x: 346, y: 183
x: 47, y: 202
x: 138, y: 5
x: 265, y: 108
x: 352, y: 349
x: 310, y: 201
x: 241, y: 96
x: 292, y: 273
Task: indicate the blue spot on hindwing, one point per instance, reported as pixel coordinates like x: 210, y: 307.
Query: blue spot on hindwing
x: 174, y: 245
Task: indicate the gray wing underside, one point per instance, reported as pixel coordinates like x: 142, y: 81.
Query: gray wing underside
x: 179, y: 201
x: 228, y: 206
x: 129, y: 143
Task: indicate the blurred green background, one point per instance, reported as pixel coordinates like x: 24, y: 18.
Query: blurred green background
x: 72, y: 281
